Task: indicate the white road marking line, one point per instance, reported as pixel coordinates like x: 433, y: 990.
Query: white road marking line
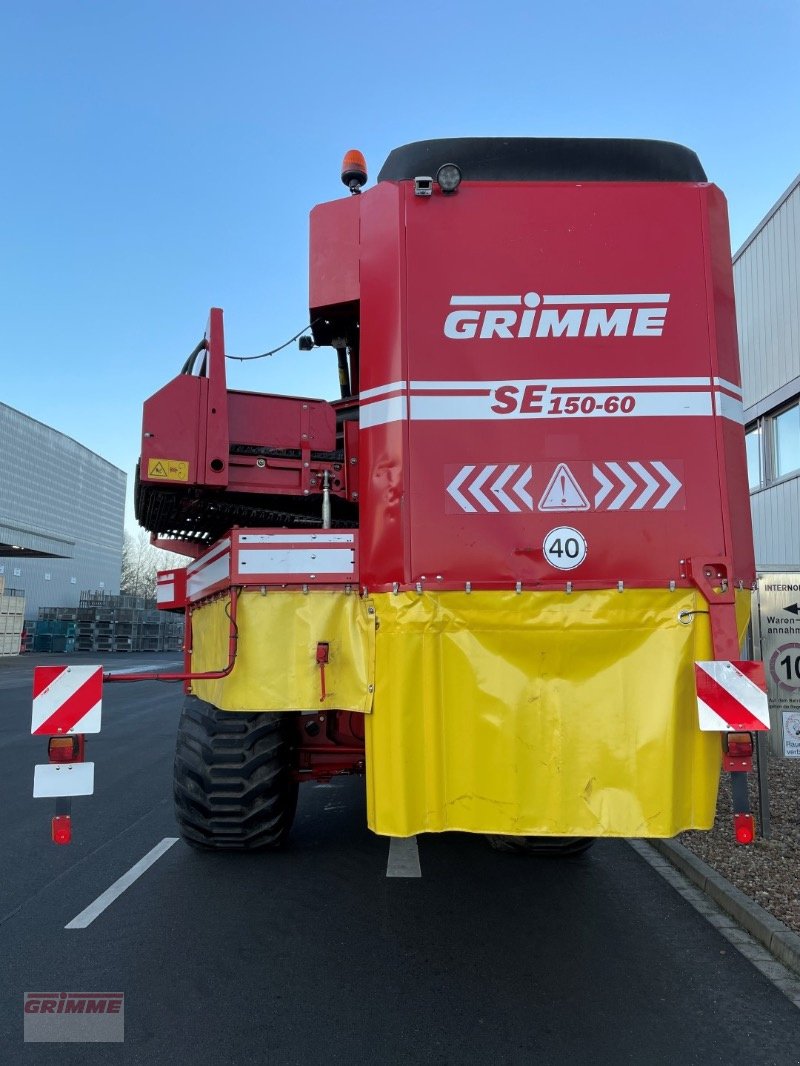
x: 403, y: 858
x: 87, y: 916
x: 155, y: 667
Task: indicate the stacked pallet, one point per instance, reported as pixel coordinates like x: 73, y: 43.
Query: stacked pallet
x: 125, y: 623
x: 54, y: 634
x: 107, y: 624
x: 12, y: 617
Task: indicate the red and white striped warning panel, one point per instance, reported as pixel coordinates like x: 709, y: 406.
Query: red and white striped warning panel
x: 66, y: 699
x: 732, y: 696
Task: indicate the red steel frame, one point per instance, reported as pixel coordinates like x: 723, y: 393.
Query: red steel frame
x: 327, y: 743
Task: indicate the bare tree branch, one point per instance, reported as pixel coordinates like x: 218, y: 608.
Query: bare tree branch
x: 141, y: 563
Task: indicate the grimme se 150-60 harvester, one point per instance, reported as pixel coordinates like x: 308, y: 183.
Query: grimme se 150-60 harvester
x: 507, y: 574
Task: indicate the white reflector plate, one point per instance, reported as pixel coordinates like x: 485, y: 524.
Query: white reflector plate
x: 63, y: 779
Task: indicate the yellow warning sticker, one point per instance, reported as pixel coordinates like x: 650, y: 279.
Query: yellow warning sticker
x: 168, y: 469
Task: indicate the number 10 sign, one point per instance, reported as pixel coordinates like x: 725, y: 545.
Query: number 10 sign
x: 779, y: 624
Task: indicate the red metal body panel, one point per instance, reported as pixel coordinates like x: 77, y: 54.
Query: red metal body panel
x: 624, y: 371
x: 726, y: 350
x: 292, y: 423
x: 333, y: 258
x: 385, y: 547
x: 171, y: 589
x: 171, y: 422
x: 197, y: 420
x: 264, y: 557
x: 215, y: 436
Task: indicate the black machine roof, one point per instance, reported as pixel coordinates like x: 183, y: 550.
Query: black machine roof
x: 545, y: 159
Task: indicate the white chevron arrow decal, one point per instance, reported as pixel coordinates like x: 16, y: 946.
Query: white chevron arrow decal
x: 499, y: 484
x: 628, y: 486
x: 673, y: 486
x: 456, y: 484
x: 650, y: 487
x: 605, y: 486
x: 519, y: 488
x: 623, y: 485
x: 477, y: 485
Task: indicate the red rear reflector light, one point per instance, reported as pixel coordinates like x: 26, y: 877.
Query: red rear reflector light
x: 62, y: 829
x: 740, y: 745
x: 63, y: 749
x: 744, y: 828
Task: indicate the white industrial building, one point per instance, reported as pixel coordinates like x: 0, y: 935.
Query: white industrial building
x: 62, y: 510
x: 766, y: 273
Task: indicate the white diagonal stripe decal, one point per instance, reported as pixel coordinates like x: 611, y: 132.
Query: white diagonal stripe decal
x: 710, y: 721
x: 650, y: 487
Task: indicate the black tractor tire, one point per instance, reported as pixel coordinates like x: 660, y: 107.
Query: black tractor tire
x: 234, y: 787
x: 546, y: 847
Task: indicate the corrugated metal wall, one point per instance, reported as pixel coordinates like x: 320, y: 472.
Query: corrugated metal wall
x: 776, y: 515
x: 766, y: 273
x: 51, y: 483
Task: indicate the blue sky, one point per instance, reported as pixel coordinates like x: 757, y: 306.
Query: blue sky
x: 160, y: 158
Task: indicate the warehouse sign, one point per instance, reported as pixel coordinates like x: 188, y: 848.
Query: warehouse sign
x: 779, y: 618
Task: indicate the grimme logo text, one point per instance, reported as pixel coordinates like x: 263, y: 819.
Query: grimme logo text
x: 532, y: 315
x: 73, y: 1003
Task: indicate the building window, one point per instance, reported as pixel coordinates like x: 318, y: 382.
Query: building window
x: 786, y: 441
x: 773, y: 446
x: 752, y: 439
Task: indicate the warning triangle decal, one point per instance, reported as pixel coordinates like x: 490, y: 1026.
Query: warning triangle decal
x: 563, y: 492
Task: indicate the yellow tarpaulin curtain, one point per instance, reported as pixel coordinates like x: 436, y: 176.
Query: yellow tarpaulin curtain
x: 276, y: 667
x: 540, y: 713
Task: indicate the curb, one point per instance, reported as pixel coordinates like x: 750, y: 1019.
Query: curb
x: 760, y: 924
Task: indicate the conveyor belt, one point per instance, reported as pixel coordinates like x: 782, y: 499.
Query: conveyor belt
x: 203, y: 516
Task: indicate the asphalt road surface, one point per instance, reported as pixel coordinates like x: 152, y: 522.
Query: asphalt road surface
x: 314, y: 955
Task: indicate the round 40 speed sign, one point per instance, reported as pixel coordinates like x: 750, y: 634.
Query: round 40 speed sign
x: 565, y: 547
